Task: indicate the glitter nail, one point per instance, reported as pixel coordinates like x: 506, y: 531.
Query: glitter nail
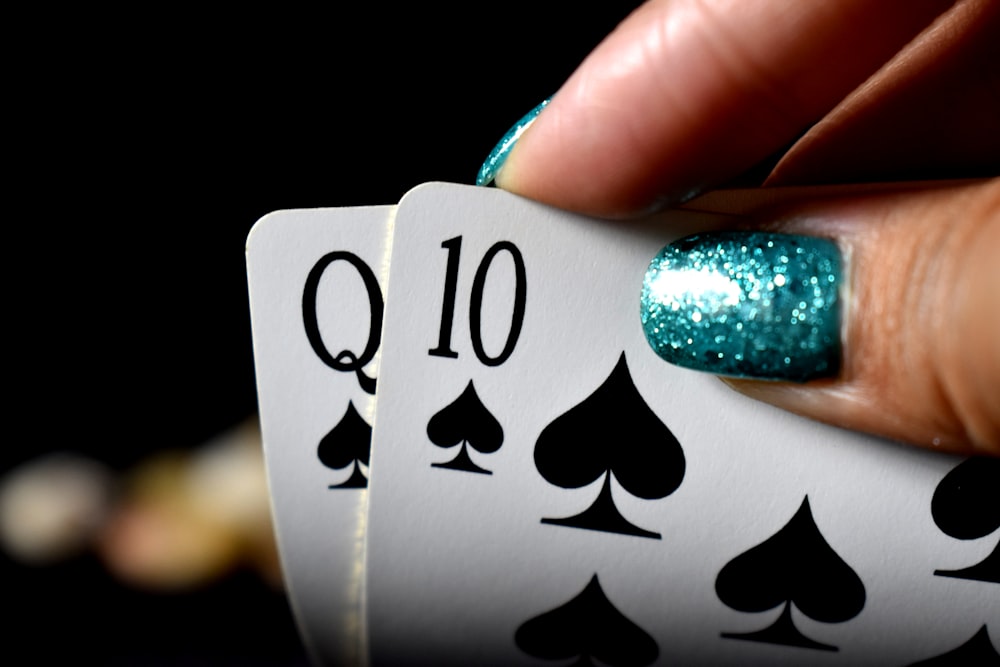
x: 495, y: 160
x: 746, y: 304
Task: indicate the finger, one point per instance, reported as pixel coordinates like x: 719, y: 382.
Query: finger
x: 687, y: 93
x: 914, y: 356
x: 932, y: 112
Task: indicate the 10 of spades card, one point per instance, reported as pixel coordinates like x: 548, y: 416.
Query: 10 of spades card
x: 475, y: 458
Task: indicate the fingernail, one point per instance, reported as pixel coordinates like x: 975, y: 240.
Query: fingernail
x: 746, y: 304
x: 497, y: 157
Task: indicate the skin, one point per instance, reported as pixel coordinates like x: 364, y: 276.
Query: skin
x: 688, y: 95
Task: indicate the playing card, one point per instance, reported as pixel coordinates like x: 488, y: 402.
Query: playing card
x: 547, y: 489
x: 315, y: 279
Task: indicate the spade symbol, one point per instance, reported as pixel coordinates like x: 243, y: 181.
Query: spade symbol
x: 348, y: 442
x: 611, y: 433
x: 467, y: 421
x: 795, y: 566
x: 966, y: 506
x: 976, y: 651
x: 587, y: 627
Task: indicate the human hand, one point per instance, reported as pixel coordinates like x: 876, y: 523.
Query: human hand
x: 689, y: 95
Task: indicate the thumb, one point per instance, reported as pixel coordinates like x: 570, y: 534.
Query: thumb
x: 686, y: 94
x: 920, y: 319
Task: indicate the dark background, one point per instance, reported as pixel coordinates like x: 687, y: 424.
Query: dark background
x: 143, y: 147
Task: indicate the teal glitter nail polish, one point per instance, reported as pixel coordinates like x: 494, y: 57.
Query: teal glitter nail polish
x: 746, y: 304
x: 499, y: 154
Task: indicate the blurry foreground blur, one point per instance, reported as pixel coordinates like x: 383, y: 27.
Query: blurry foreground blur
x: 170, y: 562
x: 178, y: 521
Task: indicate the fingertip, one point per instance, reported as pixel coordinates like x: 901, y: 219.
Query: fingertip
x: 586, y: 156
x: 495, y: 163
x: 919, y: 361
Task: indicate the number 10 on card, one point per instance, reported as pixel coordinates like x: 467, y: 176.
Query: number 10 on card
x: 454, y: 248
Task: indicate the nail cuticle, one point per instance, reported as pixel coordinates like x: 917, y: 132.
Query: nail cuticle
x: 846, y: 296
x: 747, y: 304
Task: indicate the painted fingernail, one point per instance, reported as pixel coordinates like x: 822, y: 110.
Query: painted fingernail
x: 746, y: 304
x: 491, y: 167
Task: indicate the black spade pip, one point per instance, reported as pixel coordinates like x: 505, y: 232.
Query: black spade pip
x: 587, y: 627
x: 794, y: 566
x: 465, y: 421
x: 611, y: 433
x: 977, y: 651
x: 966, y: 506
x: 349, y: 442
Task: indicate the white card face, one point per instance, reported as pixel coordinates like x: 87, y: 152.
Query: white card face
x: 547, y: 489
x: 316, y: 297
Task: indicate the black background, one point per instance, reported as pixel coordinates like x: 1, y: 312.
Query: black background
x: 140, y: 149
